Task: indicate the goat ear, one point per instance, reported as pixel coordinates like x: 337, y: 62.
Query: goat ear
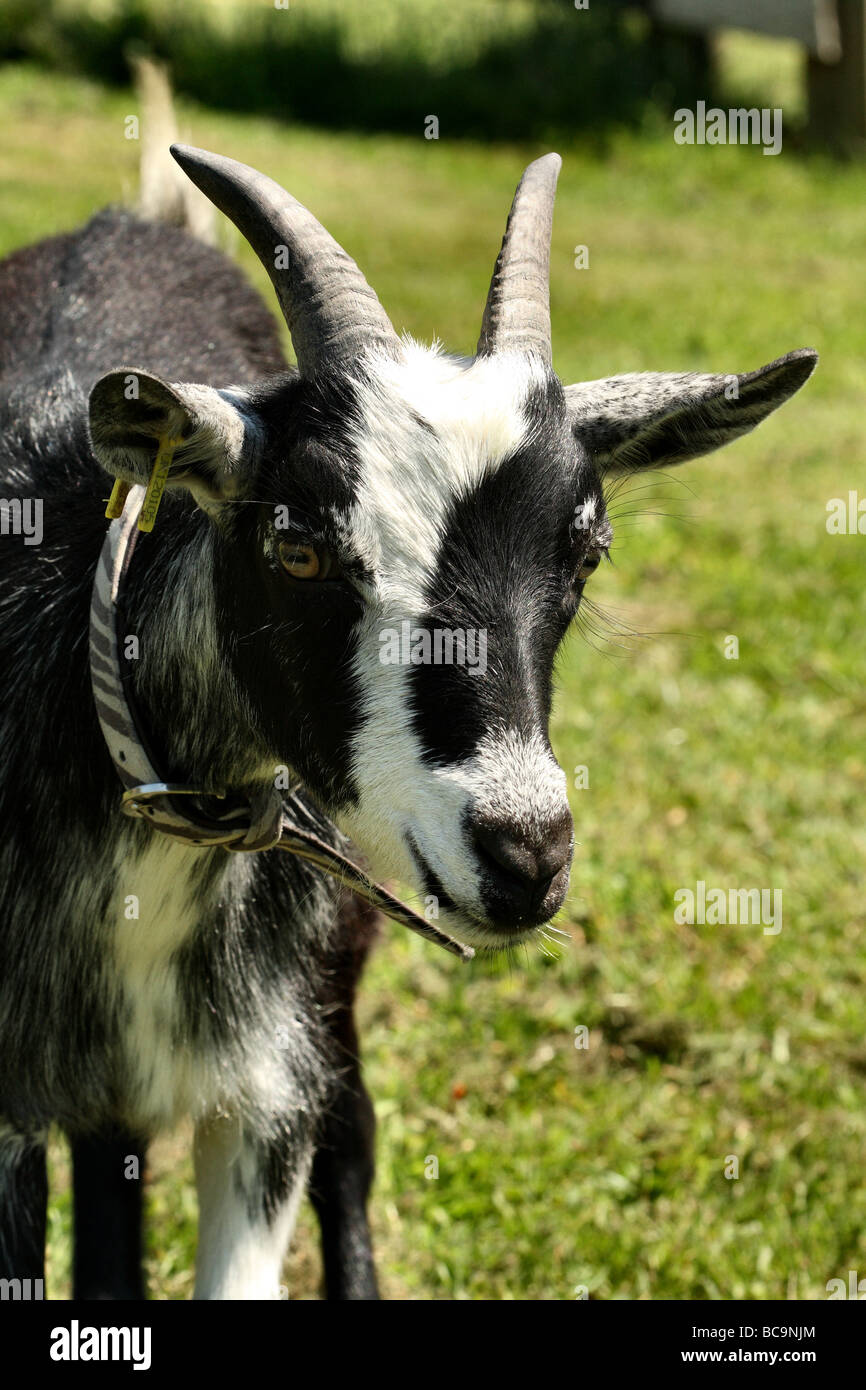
x: 655, y: 419
x: 131, y: 410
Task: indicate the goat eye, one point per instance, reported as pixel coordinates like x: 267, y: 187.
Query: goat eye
x: 589, y: 565
x: 303, y: 561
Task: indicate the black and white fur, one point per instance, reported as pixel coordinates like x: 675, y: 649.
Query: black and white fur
x: 447, y: 490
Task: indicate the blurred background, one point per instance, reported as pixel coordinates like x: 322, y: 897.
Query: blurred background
x: 564, y: 1167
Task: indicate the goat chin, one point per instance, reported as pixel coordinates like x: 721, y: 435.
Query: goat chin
x: 484, y: 933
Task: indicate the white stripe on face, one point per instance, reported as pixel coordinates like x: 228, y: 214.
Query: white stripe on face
x: 430, y: 428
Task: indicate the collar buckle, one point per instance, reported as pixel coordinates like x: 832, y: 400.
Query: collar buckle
x: 134, y: 802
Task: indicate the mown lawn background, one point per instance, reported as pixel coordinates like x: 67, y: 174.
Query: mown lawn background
x: 604, y: 1167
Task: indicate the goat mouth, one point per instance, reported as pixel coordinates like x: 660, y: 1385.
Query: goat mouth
x: 432, y: 883
x: 468, y: 923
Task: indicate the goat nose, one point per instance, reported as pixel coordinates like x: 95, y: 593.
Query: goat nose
x: 521, y: 867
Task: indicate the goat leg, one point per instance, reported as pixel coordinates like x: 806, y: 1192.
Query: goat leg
x: 107, y: 1213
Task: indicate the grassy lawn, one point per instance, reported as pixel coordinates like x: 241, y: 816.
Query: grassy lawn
x: 604, y: 1166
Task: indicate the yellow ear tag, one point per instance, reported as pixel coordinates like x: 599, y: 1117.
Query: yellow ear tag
x: 158, y: 480
x: 117, y: 500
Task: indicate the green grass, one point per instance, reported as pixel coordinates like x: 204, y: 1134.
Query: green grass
x: 604, y: 1167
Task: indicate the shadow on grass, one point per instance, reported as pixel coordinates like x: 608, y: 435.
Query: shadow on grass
x: 562, y: 71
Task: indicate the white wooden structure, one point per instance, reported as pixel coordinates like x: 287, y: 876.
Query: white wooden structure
x: 815, y: 23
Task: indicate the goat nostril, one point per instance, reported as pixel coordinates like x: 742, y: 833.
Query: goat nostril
x: 523, y: 864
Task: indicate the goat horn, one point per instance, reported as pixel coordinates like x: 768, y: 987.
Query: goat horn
x: 331, y: 311
x: 517, y: 312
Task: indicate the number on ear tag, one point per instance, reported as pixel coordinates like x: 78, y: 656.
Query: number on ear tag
x: 158, y: 480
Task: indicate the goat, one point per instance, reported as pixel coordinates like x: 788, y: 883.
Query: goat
x: 308, y: 516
